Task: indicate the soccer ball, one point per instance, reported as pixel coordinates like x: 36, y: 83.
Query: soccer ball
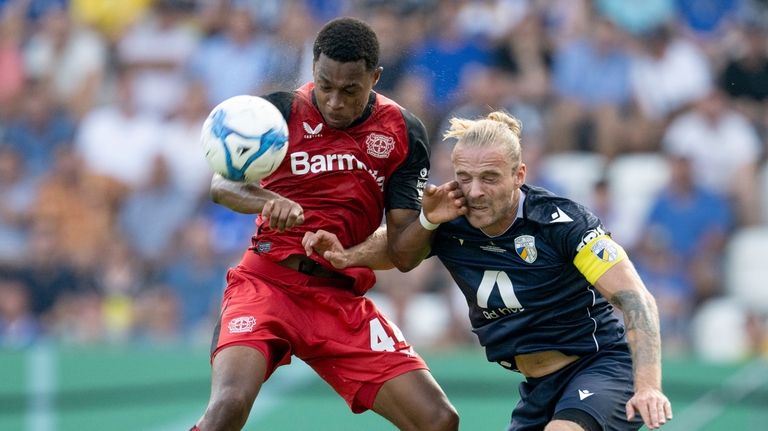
x: 245, y: 138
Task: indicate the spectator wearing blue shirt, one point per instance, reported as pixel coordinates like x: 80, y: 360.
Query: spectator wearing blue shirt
x: 590, y: 79
x: 678, y: 256
x: 233, y: 62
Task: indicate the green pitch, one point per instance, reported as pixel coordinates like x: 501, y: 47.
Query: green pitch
x: 63, y: 389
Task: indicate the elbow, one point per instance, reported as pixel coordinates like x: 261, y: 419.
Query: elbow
x: 404, y: 262
x: 405, y: 265
x: 215, y: 195
x: 216, y: 192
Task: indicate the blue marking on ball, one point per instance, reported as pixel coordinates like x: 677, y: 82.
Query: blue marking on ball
x: 271, y: 140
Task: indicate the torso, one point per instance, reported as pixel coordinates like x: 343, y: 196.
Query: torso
x: 527, y: 299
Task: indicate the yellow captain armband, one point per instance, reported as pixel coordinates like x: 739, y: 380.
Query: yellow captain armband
x: 597, y: 257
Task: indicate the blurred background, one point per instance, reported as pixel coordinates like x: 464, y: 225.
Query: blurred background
x: 112, y: 257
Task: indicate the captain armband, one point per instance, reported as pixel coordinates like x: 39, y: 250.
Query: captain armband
x: 597, y: 257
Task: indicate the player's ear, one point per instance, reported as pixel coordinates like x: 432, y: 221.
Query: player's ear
x: 520, y: 175
x: 377, y: 75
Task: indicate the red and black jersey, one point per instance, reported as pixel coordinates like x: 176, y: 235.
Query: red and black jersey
x: 344, y: 179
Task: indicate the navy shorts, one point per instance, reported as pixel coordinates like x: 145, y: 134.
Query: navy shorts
x: 598, y: 384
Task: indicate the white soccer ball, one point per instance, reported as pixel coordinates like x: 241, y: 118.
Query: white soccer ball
x: 245, y: 138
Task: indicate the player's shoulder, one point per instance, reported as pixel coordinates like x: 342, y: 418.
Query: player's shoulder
x: 411, y: 120
x: 546, y: 208
x: 283, y: 100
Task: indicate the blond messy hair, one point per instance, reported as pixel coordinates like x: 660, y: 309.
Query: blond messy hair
x: 498, y: 128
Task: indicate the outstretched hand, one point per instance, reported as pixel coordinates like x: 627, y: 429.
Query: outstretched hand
x: 327, y: 245
x: 443, y: 203
x: 282, y: 214
x: 652, y: 405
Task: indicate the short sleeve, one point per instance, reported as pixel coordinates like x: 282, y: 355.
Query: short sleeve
x: 406, y: 187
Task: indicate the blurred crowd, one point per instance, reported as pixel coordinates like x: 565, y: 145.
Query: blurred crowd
x: 107, y: 233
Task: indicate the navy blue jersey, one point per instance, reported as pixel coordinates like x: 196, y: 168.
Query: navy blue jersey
x: 524, y: 292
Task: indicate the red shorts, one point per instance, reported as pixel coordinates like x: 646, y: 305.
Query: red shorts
x: 342, y: 336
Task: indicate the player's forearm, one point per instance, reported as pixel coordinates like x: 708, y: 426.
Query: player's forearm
x: 372, y: 252
x: 237, y: 196
x: 409, y: 246
x: 641, y: 319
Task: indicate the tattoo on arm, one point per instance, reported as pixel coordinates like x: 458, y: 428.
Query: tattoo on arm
x: 642, y: 322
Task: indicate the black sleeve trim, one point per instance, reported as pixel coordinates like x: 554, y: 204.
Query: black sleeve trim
x: 283, y: 100
x: 408, y: 182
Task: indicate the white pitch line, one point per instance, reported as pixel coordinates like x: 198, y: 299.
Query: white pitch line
x: 41, y: 381
x: 701, y: 412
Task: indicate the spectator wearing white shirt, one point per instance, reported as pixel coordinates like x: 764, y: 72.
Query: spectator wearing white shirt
x: 724, y: 149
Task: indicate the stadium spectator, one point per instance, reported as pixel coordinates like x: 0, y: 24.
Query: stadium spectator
x: 745, y: 75
x: 39, y: 129
x: 11, y: 62
x: 546, y: 312
x: 18, y: 190
x: 69, y: 59
x: 590, y: 79
x: 524, y: 55
x: 112, y: 19
x: 194, y: 275
x: 18, y: 327
x: 291, y: 65
x: 125, y: 157
x: 81, y: 206
x: 668, y: 74
x: 158, y: 48
x: 637, y: 17
x: 159, y: 200
x: 179, y: 144
x: 443, y: 56
x: 276, y: 290
x: 234, y: 61
x: 687, y: 228
x: 724, y: 149
x: 48, y: 277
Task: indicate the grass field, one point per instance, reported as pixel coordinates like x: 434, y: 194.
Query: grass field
x: 52, y: 389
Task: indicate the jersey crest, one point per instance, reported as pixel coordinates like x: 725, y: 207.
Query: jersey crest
x: 525, y: 246
x: 379, y: 145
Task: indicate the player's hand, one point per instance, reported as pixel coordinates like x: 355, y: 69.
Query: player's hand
x: 443, y: 203
x: 327, y: 245
x: 652, y: 405
x: 282, y: 214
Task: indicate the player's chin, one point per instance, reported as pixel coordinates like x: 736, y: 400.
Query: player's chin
x: 478, y: 219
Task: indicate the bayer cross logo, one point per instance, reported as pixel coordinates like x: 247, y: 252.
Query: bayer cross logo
x: 241, y: 324
x: 379, y: 146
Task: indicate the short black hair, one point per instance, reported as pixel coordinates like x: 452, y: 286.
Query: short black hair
x: 347, y: 40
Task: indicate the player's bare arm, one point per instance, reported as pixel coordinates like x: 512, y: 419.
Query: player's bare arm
x: 248, y: 198
x: 441, y: 204
x: 408, y: 239
x: 623, y: 287
x: 371, y: 253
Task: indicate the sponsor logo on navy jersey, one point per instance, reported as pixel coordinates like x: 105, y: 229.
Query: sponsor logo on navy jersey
x: 421, y: 182
x: 589, y: 236
x: 560, y: 217
x: 525, y: 246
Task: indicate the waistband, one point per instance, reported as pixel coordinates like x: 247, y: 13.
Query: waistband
x: 291, y: 272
